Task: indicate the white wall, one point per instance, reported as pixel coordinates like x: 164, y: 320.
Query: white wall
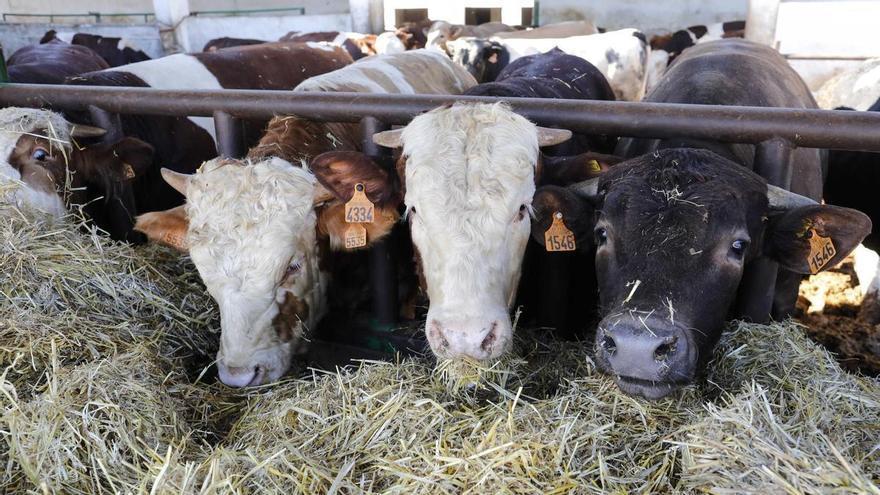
x: 194, y: 32
x: 648, y: 15
x: 453, y: 10
x: 145, y: 37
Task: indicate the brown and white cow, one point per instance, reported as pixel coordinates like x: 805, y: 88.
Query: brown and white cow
x: 260, y: 235
x: 46, y: 170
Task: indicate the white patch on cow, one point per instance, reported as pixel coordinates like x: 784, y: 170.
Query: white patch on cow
x: 627, y: 75
x: 411, y: 72
x: 15, y: 122
x: 714, y: 32
x: 247, y: 225
x: 322, y: 45
x: 658, y: 60
x: 178, y: 71
x: 470, y: 169
x: 388, y: 42
x: 65, y: 37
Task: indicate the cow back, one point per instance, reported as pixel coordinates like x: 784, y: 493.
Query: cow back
x: 51, y: 63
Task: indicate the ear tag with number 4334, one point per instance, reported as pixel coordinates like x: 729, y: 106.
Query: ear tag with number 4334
x: 558, y: 237
x: 358, y: 210
x: 822, y: 251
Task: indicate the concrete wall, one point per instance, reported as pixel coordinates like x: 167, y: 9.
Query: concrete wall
x: 648, y: 15
x: 115, y: 6
x: 312, y: 6
x: 194, y: 32
x: 454, y: 10
x: 145, y: 37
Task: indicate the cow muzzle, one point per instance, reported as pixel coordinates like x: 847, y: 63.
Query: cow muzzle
x: 264, y: 366
x: 650, y: 357
x: 482, y: 339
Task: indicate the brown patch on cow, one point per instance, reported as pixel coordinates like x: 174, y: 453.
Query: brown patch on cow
x: 46, y: 175
x: 290, y: 313
x: 340, y: 171
x: 332, y: 224
x: 166, y: 227
x: 295, y: 139
x: 280, y: 65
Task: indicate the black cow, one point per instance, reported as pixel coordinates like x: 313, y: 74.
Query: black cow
x: 51, y: 63
x: 114, y: 51
x: 679, y: 227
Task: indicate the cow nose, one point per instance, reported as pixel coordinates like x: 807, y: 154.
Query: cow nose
x: 658, y: 353
x: 478, y: 340
x: 239, y: 376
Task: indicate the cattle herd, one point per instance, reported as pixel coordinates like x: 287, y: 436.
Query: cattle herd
x: 661, y: 232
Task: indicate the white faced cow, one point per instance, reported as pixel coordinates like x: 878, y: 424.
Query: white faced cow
x: 259, y: 234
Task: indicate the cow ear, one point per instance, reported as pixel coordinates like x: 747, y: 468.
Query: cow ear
x: 165, y: 227
x: 389, y: 139
x: 810, y: 239
x: 566, y: 170
x: 577, y: 214
x: 135, y: 157
x: 339, y: 172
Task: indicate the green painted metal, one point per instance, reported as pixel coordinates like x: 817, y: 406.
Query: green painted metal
x: 4, y: 75
x: 100, y: 16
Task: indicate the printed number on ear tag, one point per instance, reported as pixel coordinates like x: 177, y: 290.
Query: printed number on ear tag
x: 128, y: 171
x: 594, y: 166
x: 558, y: 237
x: 355, y: 236
x: 822, y: 251
x: 359, y: 208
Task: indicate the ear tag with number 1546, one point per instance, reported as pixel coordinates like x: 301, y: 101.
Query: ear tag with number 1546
x: 359, y: 208
x: 822, y: 251
x: 558, y: 237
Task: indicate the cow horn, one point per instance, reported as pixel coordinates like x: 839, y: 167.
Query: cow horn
x: 588, y: 189
x: 780, y: 199
x: 180, y: 182
x: 86, y: 131
x: 549, y: 137
x: 388, y: 139
x: 321, y: 194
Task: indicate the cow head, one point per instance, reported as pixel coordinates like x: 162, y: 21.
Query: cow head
x: 253, y: 230
x: 484, y: 59
x: 469, y: 175
x: 674, y: 232
x: 49, y: 167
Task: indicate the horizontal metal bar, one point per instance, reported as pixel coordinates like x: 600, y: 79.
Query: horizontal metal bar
x: 803, y: 128
x: 807, y: 56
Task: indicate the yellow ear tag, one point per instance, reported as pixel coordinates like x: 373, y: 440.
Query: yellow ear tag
x: 822, y: 251
x: 128, y: 170
x: 558, y: 237
x: 355, y: 236
x: 359, y: 208
x: 175, y: 240
x: 594, y: 166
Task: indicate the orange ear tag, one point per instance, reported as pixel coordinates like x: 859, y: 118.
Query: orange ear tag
x: 355, y: 236
x: 359, y: 208
x: 175, y: 240
x: 558, y: 237
x: 822, y: 251
x: 594, y: 166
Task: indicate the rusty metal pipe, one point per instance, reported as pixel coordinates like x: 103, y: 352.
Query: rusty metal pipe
x: 805, y: 128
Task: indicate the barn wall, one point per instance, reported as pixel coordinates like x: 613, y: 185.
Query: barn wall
x: 194, y: 32
x: 145, y: 37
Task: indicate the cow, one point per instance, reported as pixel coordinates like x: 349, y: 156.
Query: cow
x: 441, y: 32
x: 261, y: 234
x: 357, y: 45
x: 853, y: 177
x: 226, y: 42
x: 411, y: 72
x: 414, y: 34
x: 389, y: 42
x: 183, y: 143
x: 620, y: 55
x: 114, y: 51
x: 52, y: 63
x: 683, y: 222
x: 665, y: 48
x: 44, y: 168
x: 551, y: 31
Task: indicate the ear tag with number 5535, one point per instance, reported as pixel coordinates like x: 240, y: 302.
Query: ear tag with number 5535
x: 558, y: 237
x: 822, y: 251
x: 359, y: 208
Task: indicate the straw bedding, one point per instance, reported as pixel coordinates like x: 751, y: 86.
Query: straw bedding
x: 101, y: 345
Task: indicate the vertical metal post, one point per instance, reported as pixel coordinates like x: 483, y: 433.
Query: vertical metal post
x: 383, y: 266
x: 4, y: 75
x: 230, y: 135
x: 773, y: 162
x: 110, y: 122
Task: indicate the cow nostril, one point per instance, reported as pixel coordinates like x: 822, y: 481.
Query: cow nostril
x: 609, y: 345
x: 663, y: 351
x: 487, y: 343
x: 437, y: 335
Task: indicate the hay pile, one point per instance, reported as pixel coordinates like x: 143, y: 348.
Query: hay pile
x: 100, y: 400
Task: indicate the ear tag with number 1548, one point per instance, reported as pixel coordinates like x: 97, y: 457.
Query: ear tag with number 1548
x: 558, y: 237
x: 359, y: 208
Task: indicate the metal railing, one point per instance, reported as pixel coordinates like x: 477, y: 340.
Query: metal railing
x: 776, y: 132
x: 98, y: 17
x: 234, y: 12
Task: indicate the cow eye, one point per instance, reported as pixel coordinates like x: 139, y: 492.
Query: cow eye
x: 738, y: 248
x: 601, y: 236
x: 40, y: 155
x: 522, y: 212
x: 293, y: 268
